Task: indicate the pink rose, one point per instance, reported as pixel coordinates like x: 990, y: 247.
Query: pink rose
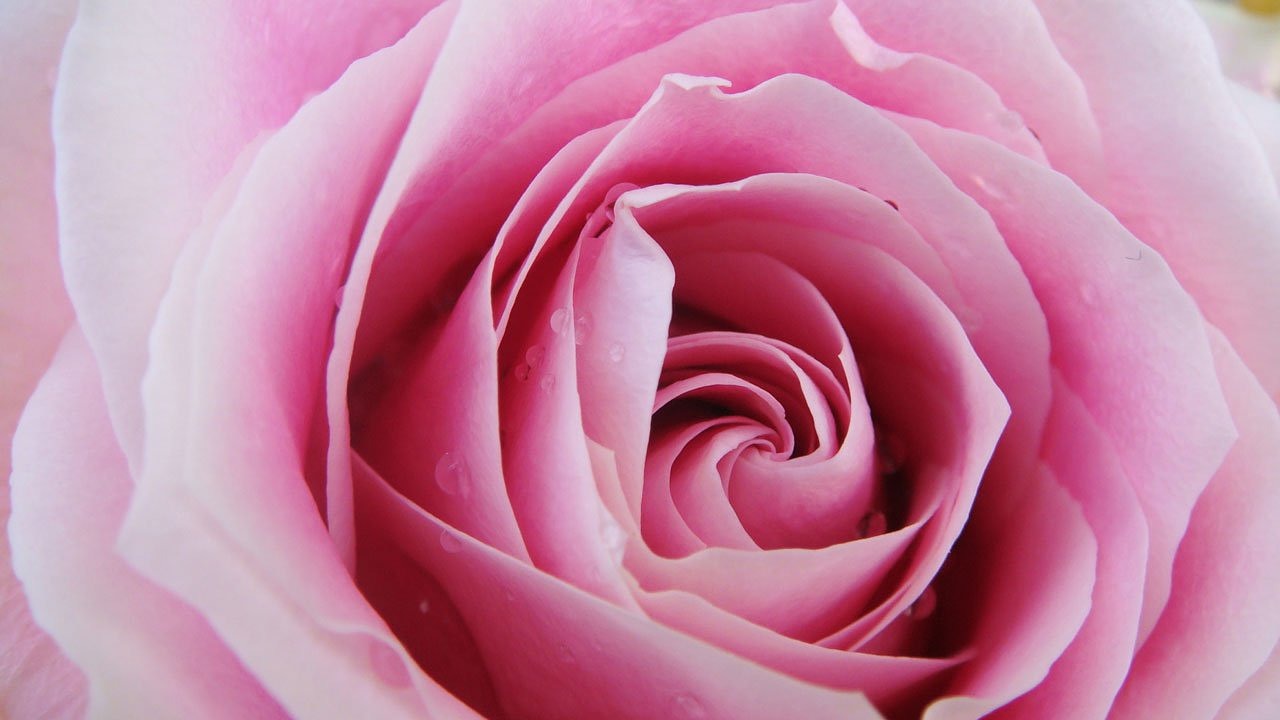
x: 719, y: 359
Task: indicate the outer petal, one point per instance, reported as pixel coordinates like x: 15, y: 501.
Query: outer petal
x: 594, y: 658
x: 1221, y: 622
x: 34, y: 312
x: 1248, y: 45
x: 1127, y: 338
x: 1259, y: 697
x: 222, y: 514
x: 146, y: 653
x: 155, y: 102
x: 1188, y: 177
x: 1005, y: 43
x: 35, y: 679
x: 1263, y: 114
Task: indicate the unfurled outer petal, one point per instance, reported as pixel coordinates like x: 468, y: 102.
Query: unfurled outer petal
x: 145, y: 653
x: 1221, y: 621
x: 155, y: 103
x: 1187, y: 174
x: 223, y: 514
x: 36, y: 680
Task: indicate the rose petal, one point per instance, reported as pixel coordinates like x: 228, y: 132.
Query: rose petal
x: 555, y: 651
x: 624, y: 292
x: 1221, y: 621
x: 1083, y: 682
x: 1187, y: 176
x: 1036, y: 574
x: 439, y: 442
x: 145, y: 133
x: 1248, y: 44
x: 34, y: 310
x: 223, y: 514
x: 1263, y: 114
x: 1144, y: 373
x: 708, y: 136
x: 36, y: 680
x: 545, y: 459
x: 458, y: 209
x: 1259, y: 697
x: 144, y: 652
x: 1005, y: 42
x: 680, y: 450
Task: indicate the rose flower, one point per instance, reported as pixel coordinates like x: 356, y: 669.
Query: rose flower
x: 722, y: 359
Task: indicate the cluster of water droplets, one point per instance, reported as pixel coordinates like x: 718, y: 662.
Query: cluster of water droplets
x: 535, y: 355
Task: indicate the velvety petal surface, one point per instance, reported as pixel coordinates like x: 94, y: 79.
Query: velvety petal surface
x: 155, y: 103
x: 224, y: 514
x: 144, y: 652
x: 1187, y: 175
x: 1221, y: 621
x: 1146, y: 375
x: 35, y: 678
x: 592, y: 658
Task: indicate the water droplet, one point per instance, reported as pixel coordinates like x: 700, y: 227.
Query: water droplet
x: 617, y: 351
x: 581, y: 328
x: 560, y: 320
x: 684, y: 705
x: 1088, y: 294
x: 521, y: 371
x: 337, y: 295
x: 424, y: 606
x: 924, y: 605
x: 872, y: 524
x: 534, y: 355
x: 387, y: 665
x: 508, y: 594
x: 613, y: 537
x: 452, y: 474
x: 988, y: 187
x: 565, y: 654
x: 450, y: 542
x: 547, y: 383
x: 1010, y: 120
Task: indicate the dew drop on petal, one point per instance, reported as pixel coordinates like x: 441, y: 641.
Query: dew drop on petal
x: 337, y: 295
x: 424, y: 606
x: 1088, y: 294
x: 534, y: 355
x: 560, y: 320
x: 613, y: 537
x: 450, y: 542
x: 617, y: 351
x: 988, y: 187
x: 581, y: 328
x: 547, y: 383
x: 1010, y: 120
x: 686, y: 707
x: 872, y: 524
x: 521, y: 371
x: 452, y: 474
